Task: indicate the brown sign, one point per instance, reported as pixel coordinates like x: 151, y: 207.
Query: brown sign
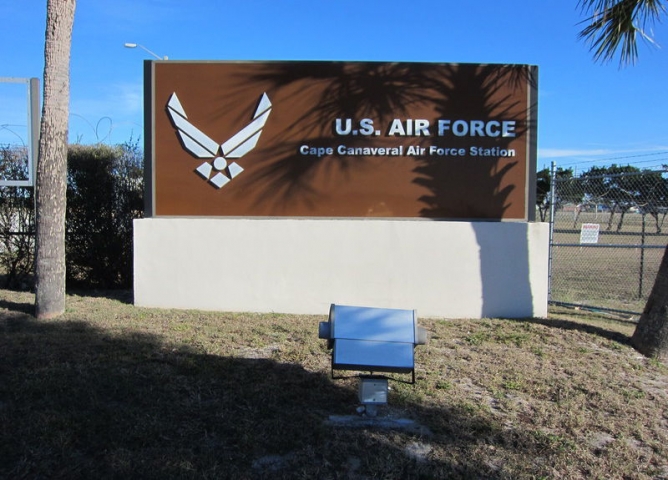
x: 341, y: 139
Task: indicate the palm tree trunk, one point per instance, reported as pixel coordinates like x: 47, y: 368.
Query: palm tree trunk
x: 52, y: 161
x: 613, y: 27
x: 651, y: 335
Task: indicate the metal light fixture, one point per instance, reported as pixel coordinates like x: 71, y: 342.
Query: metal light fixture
x: 135, y: 45
x: 374, y: 340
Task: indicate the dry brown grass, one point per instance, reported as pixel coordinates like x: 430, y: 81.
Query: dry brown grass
x: 113, y: 391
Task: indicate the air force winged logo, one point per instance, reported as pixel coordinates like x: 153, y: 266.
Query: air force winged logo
x: 218, y: 171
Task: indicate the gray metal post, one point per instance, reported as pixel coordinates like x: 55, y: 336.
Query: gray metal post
x: 642, y: 258
x: 34, y: 118
x: 553, y: 186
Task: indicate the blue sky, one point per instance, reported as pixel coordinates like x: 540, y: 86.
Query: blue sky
x: 589, y: 114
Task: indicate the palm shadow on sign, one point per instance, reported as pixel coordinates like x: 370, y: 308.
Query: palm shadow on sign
x: 447, y: 181
x: 385, y: 91
x: 364, y: 90
x: 448, y: 178
x: 77, y: 401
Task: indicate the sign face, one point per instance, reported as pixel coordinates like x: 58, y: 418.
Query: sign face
x: 341, y: 139
x: 589, y: 232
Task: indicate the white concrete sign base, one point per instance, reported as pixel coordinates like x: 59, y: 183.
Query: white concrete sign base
x: 441, y: 269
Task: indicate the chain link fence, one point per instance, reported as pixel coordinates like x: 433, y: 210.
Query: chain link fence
x: 607, y: 237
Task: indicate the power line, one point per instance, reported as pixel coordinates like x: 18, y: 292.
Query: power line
x: 656, y: 160
x: 599, y: 160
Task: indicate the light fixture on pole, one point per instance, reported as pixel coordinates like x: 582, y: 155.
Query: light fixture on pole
x: 135, y: 45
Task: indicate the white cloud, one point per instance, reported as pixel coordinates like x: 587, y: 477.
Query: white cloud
x: 565, y: 153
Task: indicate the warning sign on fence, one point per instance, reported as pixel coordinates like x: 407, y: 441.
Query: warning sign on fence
x: 589, y: 233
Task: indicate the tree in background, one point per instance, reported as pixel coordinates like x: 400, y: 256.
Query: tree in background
x: 544, y: 185
x: 653, y: 190
x: 614, y: 26
x: 52, y: 161
x: 616, y: 187
x: 543, y: 192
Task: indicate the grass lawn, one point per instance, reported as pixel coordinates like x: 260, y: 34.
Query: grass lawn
x: 113, y: 391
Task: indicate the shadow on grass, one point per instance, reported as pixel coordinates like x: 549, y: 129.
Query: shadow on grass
x: 78, y: 402
x: 120, y: 295
x: 23, y: 307
x: 580, y: 327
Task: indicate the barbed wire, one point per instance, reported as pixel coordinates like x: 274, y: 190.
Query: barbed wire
x: 5, y: 127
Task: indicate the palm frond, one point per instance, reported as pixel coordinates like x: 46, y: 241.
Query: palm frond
x: 614, y: 26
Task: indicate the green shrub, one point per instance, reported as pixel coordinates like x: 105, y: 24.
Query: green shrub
x: 104, y: 195
x: 17, y: 221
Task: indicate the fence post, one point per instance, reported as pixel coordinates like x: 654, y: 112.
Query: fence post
x: 553, y: 188
x: 642, y: 258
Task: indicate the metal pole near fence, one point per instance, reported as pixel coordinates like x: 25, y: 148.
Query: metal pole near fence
x: 553, y: 186
x: 642, y: 257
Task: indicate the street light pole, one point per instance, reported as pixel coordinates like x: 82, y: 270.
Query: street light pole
x: 135, y: 45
